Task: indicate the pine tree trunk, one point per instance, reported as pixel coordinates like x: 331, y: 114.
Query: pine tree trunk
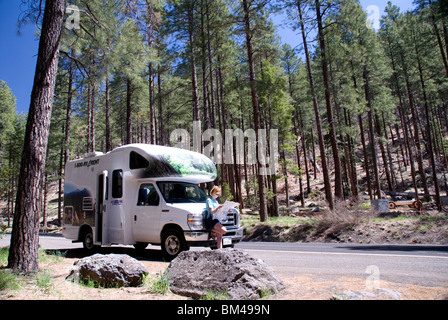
x: 439, y: 38
x: 408, y: 146
x: 256, y: 109
x: 68, y: 113
x: 152, y: 107
x: 389, y: 153
x: 366, y: 158
x: 352, y: 164
x: 204, y: 59
x: 428, y: 132
x: 44, y: 203
x: 92, y: 117
x: 383, y: 154
x: 221, y: 118
x: 416, y: 130
x: 338, y: 189
x: 161, y: 139
x: 210, y: 63
x: 128, y: 111
x: 107, y: 111
x: 299, y: 165
x: 89, y: 115
x: 60, y: 185
x: 194, y: 78
x: 416, y: 135
x: 328, y: 193
x: 23, y: 251
x: 372, y: 133
x: 305, y: 159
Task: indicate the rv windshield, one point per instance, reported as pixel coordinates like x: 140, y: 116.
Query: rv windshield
x: 181, y: 192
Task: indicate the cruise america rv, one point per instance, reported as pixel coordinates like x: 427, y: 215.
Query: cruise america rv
x: 141, y: 194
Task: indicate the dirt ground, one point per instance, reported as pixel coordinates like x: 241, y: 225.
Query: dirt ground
x: 308, y: 287
x: 61, y: 289
x: 304, y: 287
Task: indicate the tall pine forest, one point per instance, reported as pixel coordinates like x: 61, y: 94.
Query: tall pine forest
x: 361, y: 110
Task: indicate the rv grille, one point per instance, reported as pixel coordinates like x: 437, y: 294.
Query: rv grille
x: 232, y: 219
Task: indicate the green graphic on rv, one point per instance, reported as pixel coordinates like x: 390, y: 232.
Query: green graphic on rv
x: 187, y: 165
x: 180, y: 163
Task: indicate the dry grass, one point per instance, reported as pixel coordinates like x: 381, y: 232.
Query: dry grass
x: 344, y: 216
x: 350, y: 222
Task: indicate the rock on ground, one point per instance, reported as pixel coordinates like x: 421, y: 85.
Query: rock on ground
x: 111, y: 270
x: 228, y: 273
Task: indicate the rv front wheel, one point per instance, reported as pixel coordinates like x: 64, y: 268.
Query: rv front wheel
x: 172, y: 243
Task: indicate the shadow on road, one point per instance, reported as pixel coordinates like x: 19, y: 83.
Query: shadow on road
x: 142, y: 255
x: 396, y: 248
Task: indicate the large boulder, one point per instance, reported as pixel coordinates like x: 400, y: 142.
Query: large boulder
x: 111, y: 270
x: 229, y: 273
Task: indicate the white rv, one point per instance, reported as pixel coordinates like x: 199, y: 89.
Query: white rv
x: 141, y: 194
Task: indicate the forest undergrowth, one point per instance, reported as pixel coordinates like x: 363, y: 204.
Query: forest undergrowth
x: 352, y: 225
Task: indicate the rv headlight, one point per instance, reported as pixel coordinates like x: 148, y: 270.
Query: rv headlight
x: 195, y: 222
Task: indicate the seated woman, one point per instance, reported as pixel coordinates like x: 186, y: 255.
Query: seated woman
x: 212, y: 207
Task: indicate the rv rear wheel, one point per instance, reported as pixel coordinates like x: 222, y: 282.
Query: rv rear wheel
x: 87, y: 240
x: 172, y: 243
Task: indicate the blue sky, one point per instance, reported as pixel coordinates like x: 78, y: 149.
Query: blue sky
x: 18, y: 54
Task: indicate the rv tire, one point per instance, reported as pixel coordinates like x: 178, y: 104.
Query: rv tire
x: 173, y: 243
x: 87, y: 239
x: 140, y: 246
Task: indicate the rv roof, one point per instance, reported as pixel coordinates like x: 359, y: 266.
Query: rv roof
x: 166, y: 162
x: 93, y: 154
x: 153, y: 149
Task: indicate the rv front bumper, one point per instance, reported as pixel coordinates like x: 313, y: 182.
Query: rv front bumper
x: 202, y: 238
x: 196, y: 236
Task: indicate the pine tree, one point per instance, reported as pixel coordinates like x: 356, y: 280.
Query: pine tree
x: 182, y: 20
x: 7, y: 114
x: 255, y: 103
x: 339, y: 193
x: 328, y: 193
x: 23, y: 255
x: 9, y: 145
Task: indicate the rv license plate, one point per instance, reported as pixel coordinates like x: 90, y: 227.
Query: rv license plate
x: 226, y: 241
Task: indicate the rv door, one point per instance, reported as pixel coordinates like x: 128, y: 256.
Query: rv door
x: 102, y: 216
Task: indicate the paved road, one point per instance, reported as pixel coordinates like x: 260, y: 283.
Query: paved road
x: 410, y: 264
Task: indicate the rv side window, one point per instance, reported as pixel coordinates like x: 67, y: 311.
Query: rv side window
x: 117, y: 184
x: 137, y: 161
x: 107, y: 188
x: 147, y: 196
